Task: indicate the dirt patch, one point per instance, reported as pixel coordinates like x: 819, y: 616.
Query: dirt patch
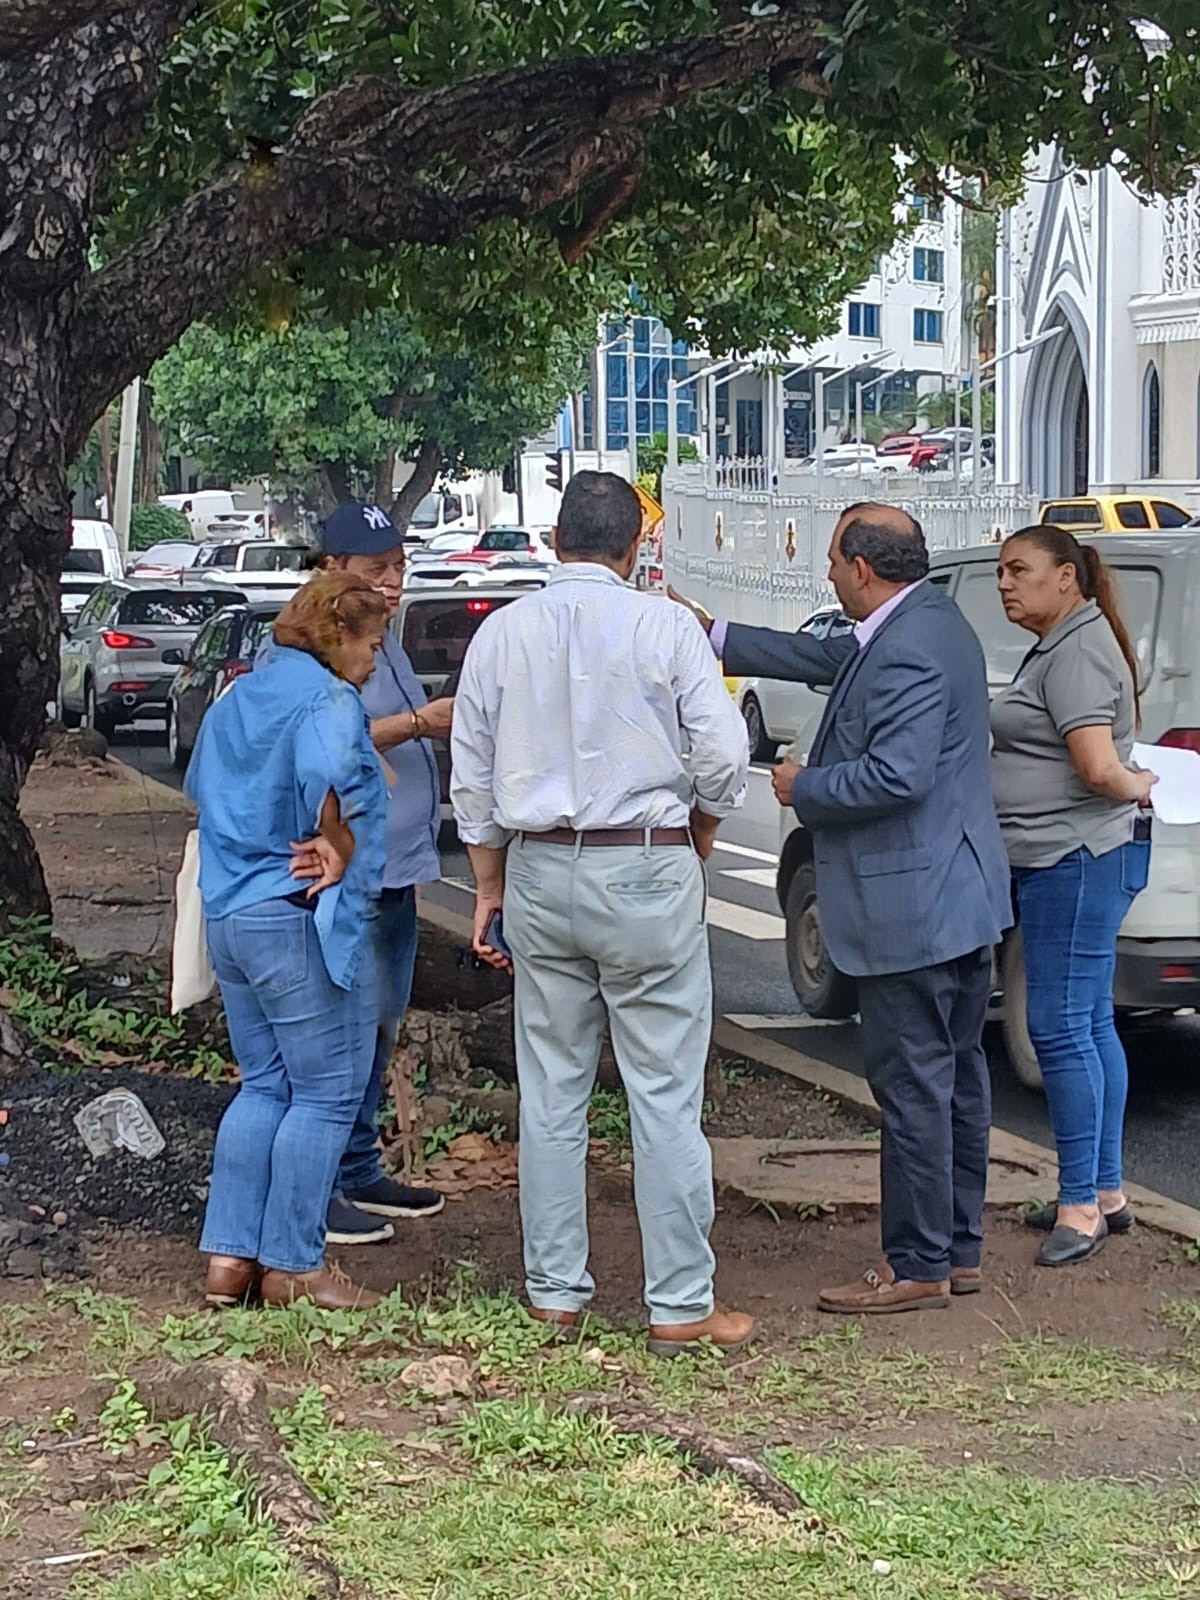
x: 50, y: 1166
x: 762, y: 1104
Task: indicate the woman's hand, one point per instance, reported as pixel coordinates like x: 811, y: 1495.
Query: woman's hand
x: 318, y: 863
x: 1143, y: 782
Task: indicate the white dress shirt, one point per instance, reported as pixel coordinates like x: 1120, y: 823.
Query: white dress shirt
x: 591, y: 705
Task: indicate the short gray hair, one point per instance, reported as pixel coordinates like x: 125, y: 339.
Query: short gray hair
x: 895, y: 551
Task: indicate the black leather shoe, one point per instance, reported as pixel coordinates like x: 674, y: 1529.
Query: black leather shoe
x: 1066, y: 1246
x: 1045, y: 1218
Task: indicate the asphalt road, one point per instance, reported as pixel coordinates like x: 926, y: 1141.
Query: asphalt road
x: 1163, y: 1123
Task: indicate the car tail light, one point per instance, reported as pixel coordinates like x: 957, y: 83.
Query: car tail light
x: 1175, y: 973
x: 478, y: 607
x: 115, y: 640
x: 1182, y: 739
x: 232, y: 670
x: 128, y: 688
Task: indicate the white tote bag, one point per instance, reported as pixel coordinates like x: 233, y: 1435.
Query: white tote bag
x: 192, y: 975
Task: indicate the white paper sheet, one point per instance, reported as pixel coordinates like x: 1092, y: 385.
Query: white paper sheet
x: 1176, y: 795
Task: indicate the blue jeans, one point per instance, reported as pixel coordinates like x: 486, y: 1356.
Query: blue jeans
x: 1070, y: 914
x: 304, y: 1048
x: 395, y: 959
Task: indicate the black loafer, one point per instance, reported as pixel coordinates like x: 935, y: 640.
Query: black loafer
x: 1045, y: 1217
x: 1066, y: 1246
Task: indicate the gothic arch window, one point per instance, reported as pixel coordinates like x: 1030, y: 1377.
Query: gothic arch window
x: 1151, y: 424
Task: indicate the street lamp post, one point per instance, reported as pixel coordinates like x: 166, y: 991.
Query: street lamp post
x: 977, y: 370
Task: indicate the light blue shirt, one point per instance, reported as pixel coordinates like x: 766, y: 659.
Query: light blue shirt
x: 414, y: 800
x: 590, y: 705
x: 267, y: 756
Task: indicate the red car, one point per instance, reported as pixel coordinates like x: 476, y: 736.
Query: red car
x: 898, y: 444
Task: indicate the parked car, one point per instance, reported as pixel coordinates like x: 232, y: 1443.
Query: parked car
x: 898, y: 444
x: 94, y: 547
x: 215, y: 514
x: 1113, y: 513
x: 167, y: 560
x: 120, y: 656
x: 263, y: 569
x: 435, y: 630
x: 1158, y: 951
x: 492, y: 571
x: 774, y: 711
x: 223, y: 650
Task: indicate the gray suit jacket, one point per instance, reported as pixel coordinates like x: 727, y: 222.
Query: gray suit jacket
x: 897, y: 795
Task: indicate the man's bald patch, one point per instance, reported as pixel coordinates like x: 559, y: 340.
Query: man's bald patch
x: 873, y: 514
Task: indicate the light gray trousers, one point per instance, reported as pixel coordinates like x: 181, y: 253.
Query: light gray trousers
x: 616, y: 933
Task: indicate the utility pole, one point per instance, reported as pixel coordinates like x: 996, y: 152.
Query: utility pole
x: 126, y: 455
x: 631, y: 394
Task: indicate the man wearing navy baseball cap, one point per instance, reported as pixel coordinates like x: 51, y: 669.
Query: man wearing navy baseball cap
x: 363, y: 540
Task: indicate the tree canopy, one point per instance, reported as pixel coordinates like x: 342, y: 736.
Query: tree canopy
x: 739, y: 163
x: 329, y: 408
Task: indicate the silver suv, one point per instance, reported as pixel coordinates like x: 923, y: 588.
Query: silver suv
x: 120, y: 655
x: 1158, y: 952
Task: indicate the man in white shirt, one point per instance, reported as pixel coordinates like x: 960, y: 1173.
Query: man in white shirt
x: 595, y: 750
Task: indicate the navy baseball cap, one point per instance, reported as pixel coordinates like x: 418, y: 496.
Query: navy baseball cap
x: 359, y: 530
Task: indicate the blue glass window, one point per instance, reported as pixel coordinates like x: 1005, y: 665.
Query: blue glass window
x: 927, y: 326
x: 864, y: 319
x: 929, y: 266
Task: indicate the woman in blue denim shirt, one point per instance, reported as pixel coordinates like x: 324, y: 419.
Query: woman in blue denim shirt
x: 1072, y: 814
x: 286, y: 757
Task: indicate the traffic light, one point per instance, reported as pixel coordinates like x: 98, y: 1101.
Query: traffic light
x: 554, y: 470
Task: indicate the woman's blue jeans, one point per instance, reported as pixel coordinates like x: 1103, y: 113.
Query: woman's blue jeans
x: 1070, y: 914
x: 304, y: 1047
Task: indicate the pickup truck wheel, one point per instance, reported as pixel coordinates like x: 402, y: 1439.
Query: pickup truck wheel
x: 1017, y: 1042
x: 822, y: 990
x: 761, y: 748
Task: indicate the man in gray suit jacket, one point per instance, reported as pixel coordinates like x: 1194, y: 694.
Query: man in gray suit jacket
x: 912, y: 883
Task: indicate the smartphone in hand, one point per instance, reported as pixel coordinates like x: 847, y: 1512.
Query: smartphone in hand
x: 493, y: 936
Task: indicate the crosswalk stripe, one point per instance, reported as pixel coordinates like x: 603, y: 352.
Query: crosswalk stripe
x: 741, y: 919
x: 744, y: 850
x: 763, y: 877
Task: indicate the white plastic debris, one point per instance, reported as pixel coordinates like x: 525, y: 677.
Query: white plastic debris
x: 883, y: 1568
x: 119, y: 1121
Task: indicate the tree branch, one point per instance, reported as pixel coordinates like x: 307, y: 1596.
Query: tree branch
x: 423, y: 477
x: 379, y: 162
x: 619, y: 189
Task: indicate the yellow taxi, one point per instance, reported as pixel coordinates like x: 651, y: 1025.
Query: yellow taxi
x: 1114, y: 513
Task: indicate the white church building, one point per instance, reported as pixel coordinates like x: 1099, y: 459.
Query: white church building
x: 1098, y: 338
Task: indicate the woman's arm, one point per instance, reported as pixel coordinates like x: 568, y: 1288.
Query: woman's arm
x: 1095, y: 759
x: 322, y: 860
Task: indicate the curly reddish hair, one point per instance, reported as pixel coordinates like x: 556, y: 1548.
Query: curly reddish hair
x: 329, y: 604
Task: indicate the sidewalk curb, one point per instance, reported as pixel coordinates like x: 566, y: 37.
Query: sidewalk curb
x: 1154, y: 1210
x: 169, y: 799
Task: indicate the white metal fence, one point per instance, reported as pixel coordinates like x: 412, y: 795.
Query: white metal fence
x: 759, y: 557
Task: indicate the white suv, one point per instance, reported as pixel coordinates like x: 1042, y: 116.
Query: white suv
x: 1158, y: 952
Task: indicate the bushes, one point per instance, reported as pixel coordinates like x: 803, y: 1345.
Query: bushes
x: 154, y: 524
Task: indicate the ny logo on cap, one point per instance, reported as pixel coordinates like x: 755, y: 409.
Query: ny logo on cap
x: 375, y: 518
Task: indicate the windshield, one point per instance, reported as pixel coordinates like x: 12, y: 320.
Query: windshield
x: 169, y: 555
x: 77, y: 560
x: 166, y: 609
x: 436, y: 633
x: 505, y: 539
x: 272, y: 558
x: 425, y: 512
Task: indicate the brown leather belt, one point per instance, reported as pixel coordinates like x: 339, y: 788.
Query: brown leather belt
x: 612, y: 836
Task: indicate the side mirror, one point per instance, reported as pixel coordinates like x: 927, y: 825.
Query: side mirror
x: 173, y: 658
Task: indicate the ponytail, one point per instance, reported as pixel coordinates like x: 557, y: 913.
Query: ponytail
x: 1095, y: 583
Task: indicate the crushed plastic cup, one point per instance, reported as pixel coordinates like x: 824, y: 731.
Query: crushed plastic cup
x: 118, y: 1120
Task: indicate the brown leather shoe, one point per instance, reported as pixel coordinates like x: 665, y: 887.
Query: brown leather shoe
x: 231, y: 1280
x: 727, y: 1330
x: 879, y: 1292
x: 556, y: 1318
x: 966, y: 1280
x: 328, y: 1287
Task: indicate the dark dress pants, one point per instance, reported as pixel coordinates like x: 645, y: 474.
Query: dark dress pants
x: 922, y: 1036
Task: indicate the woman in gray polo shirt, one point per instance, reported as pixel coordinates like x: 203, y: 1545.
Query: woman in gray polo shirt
x: 1070, y: 810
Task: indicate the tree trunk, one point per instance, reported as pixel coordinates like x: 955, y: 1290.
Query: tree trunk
x: 34, y: 521
x: 150, y: 451
x: 424, y: 476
